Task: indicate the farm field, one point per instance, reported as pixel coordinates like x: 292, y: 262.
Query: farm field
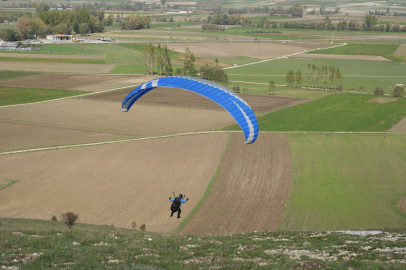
x: 56, y: 67
x: 182, y: 98
x: 368, y: 74
x: 63, y: 81
x: 345, y: 181
x: 340, y: 112
x: 254, y: 50
x: 102, y: 185
x: 97, y: 120
x: 250, y: 191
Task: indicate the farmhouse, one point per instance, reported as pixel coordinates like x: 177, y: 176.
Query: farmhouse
x: 60, y: 37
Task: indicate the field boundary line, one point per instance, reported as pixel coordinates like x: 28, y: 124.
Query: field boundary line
x: 285, y: 56
x: 208, y: 189
x: 57, y: 99
x: 115, y: 141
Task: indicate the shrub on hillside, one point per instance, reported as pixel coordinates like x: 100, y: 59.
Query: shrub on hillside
x: 399, y: 91
x: 379, y: 91
x: 54, y: 218
x: 134, y: 225
x: 142, y: 227
x: 69, y: 218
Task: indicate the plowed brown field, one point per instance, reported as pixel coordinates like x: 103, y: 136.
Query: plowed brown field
x: 399, y: 127
x: 57, y: 67
x: 63, y: 81
x: 112, y: 184
x: 80, y: 120
x: 251, y: 190
x: 183, y: 98
x: 250, y: 49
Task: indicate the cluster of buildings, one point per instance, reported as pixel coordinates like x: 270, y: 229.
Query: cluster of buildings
x: 11, y: 46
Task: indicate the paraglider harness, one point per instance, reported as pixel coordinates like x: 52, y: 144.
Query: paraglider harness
x: 176, y: 203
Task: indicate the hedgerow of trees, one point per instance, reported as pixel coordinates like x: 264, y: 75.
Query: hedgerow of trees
x: 160, y: 56
x: 324, y: 76
x: 135, y: 22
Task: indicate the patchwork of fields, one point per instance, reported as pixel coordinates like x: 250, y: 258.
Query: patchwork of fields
x: 281, y: 182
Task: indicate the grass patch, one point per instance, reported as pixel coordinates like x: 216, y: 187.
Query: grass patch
x: 8, y: 74
x: 208, y: 189
x: 129, y: 69
x: 344, y: 181
x: 97, y: 247
x: 5, y: 183
x: 397, y: 58
x: 53, y: 60
x: 339, y: 112
x: 14, y: 95
x: 361, y: 49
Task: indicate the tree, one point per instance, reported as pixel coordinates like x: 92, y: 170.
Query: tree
x: 167, y: 61
x: 160, y: 61
x: 338, y: 78
x: 379, y: 91
x: 28, y: 27
x: 149, y: 58
x: 399, y: 91
x: 109, y: 21
x: 272, y: 86
x: 213, y: 74
x: 83, y: 29
x: 290, y: 77
x: 69, y: 218
x: 370, y: 21
x: 298, y: 78
x: 309, y: 75
x: 188, y: 63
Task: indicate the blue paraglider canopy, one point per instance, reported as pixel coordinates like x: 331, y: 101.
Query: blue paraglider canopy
x: 230, y: 101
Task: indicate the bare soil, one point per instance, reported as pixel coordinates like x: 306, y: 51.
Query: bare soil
x: 264, y: 50
x: 402, y: 205
x: 63, y: 81
x: 251, y: 190
x: 37, y: 55
x: 57, y: 67
x: 342, y: 57
x: 182, y: 98
x: 401, y: 50
x: 112, y: 184
x: 16, y: 135
x: 73, y: 121
x: 400, y: 126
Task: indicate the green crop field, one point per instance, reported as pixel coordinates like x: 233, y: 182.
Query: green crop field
x: 362, y: 49
x: 340, y: 112
x: 5, y: 74
x: 345, y: 181
x: 14, y: 95
x: 368, y: 74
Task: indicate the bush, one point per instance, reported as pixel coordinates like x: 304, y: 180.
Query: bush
x: 379, y: 91
x: 142, y: 227
x: 134, y: 225
x: 340, y: 88
x: 54, y: 218
x: 399, y: 91
x: 69, y: 219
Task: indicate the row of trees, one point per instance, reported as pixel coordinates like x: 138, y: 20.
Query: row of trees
x: 232, y: 19
x: 160, y: 57
x: 213, y: 27
x: 324, y: 76
x: 135, y: 22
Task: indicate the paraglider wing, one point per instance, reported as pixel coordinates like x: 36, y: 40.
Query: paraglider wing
x: 230, y: 101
